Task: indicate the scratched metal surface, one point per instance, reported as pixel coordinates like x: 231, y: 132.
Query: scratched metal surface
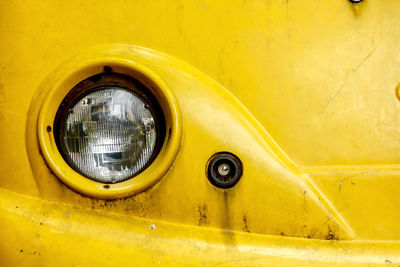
x: 311, y: 84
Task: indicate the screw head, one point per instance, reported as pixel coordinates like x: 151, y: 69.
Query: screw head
x: 224, y: 169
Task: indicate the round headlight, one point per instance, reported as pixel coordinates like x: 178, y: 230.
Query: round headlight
x: 109, y: 128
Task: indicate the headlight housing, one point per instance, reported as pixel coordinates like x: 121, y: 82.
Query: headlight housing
x: 109, y: 128
x: 118, y: 71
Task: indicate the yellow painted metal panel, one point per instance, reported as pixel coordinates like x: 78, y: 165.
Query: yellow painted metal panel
x: 52, y: 234
x: 302, y: 91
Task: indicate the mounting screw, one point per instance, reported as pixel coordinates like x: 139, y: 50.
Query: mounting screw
x: 224, y: 170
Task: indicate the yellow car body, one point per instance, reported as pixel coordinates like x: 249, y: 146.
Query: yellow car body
x: 304, y: 92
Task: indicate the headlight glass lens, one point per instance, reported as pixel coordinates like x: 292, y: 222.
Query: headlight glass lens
x: 109, y: 135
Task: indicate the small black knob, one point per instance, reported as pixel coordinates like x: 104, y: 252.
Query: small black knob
x: 224, y: 170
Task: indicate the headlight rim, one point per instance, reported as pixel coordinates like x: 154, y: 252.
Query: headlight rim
x: 99, y: 82
x: 160, y: 90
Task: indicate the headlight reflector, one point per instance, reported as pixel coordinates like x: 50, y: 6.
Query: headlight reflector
x: 110, y: 133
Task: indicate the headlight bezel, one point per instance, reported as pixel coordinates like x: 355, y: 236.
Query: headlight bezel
x: 160, y: 92
x: 99, y: 82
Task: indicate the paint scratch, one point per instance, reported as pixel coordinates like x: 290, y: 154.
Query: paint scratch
x: 353, y: 70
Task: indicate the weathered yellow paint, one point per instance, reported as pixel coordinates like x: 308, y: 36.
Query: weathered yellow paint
x: 304, y: 92
x: 185, y: 194
x: 53, y: 234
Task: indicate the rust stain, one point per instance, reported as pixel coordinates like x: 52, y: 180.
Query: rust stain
x: 202, y: 210
x: 331, y: 235
x: 245, y: 227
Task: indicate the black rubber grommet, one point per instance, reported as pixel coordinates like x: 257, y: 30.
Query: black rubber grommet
x: 234, y: 165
